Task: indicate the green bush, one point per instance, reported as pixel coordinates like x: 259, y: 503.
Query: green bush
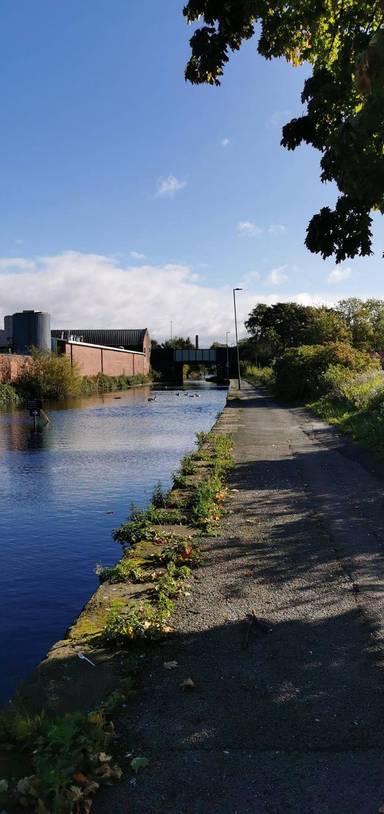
x: 361, y: 390
x: 260, y: 376
x: 47, y: 376
x: 65, y: 757
x: 8, y: 395
x: 299, y: 372
x: 106, y: 384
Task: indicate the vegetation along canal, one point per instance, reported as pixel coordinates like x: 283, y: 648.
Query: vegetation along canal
x: 62, y: 492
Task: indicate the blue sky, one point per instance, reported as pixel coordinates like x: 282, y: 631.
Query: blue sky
x: 106, y: 151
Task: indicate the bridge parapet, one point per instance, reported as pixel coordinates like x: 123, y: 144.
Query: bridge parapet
x: 192, y: 355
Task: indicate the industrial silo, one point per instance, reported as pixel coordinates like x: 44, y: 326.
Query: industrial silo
x: 31, y: 329
x: 8, y: 330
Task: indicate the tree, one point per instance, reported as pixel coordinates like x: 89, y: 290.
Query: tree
x: 279, y: 326
x: 326, y: 325
x: 287, y: 324
x: 177, y: 342
x: 344, y: 119
x: 365, y: 320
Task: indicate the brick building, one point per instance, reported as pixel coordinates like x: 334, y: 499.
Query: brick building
x: 110, y: 351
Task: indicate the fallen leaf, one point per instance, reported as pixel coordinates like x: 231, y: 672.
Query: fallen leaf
x: 188, y: 684
x: 139, y: 763
x: 170, y: 665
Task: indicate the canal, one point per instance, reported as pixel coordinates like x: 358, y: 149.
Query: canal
x: 63, y: 491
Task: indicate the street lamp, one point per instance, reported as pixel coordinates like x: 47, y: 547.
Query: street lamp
x: 237, y: 341
x: 226, y: 342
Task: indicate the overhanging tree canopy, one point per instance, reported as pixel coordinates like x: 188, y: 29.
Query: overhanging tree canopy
x: 344, y: 119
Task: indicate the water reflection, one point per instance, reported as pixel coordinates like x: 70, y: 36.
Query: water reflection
x: 63, y: 490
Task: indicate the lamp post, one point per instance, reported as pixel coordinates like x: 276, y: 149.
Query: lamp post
x: 237, y: 341
x: 226, y: 342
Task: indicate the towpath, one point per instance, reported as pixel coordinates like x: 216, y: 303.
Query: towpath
x: 282, y: 634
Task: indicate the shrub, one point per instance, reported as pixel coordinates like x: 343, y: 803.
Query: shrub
x: 136, y: 529
x: 299, y: 372
x: 134, y: 621
x: 47, y: 376
x: 124, y: 571
x: 361, y: 390
x: 8, y: 395
x: 159, y: 496
x: 106, y: 384
x: 66, y: 758
x: 262, y: 376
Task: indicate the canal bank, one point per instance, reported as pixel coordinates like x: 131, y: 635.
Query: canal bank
x: 65, y: 489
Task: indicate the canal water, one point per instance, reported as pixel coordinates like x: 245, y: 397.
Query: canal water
x: 63, y: 490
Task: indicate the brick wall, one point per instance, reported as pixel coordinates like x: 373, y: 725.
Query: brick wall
x: 10, y: 366
x: 94, y: 360
x: 90, y: 360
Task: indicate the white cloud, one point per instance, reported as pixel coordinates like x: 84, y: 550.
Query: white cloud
x: 247, y: 228
x: 15, y: 263
x: 137, y: 255
x: 338, y: 275
x: 90, y: 290
x: 277, y: 275
x: 167, y: 187
x: 277, y: 229
x: 225, y: 142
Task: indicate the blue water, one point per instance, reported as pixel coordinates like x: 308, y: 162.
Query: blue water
x: 62, y: 492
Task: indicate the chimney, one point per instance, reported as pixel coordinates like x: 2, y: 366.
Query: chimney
x: 197, y: 341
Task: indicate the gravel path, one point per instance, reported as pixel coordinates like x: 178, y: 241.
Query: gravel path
x: 282, y: 635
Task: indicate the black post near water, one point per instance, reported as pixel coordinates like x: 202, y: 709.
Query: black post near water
x: 34, y: 406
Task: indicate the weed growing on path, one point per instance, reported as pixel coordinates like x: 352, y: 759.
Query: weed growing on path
x: 66, y: 759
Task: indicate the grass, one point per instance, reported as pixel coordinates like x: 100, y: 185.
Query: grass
x: 365, y: 427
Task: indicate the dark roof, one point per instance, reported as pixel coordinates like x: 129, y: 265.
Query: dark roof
x: 112, y: 337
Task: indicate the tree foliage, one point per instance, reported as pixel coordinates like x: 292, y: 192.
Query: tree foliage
x: 365, y: 320
x: 180, y: 342
x: 288, y: 324
x: 344, y: 118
